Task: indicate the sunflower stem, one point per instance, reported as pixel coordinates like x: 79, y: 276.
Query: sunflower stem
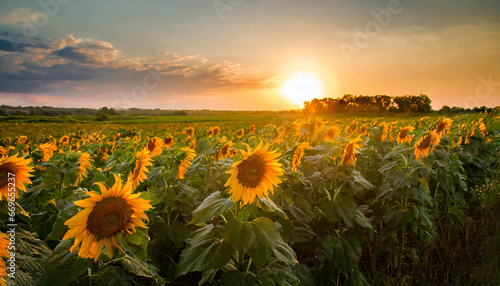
x: 249, y: 263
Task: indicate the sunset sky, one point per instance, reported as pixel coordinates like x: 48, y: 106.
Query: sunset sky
x: 246, y: 54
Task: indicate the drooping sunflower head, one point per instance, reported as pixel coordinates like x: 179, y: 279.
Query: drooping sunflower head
x: 154, y: 146
x: 427, y: 143
x: 210, y: 132
x: 142, y: 163
x: 14, y: 170
x: 167, y: 142
x: 185, y: 162
x: 403, y: 136
x: 385, y: 132
x: 349, y: 152
x: 297, y: 155
x: 225, y: 151
x: 443, y: 125
x: 254, y: 175
x: 114, y: 210
x: 240, y: 133
x: 84, y: 165
x: 483, y: 129
x: 330, y: 133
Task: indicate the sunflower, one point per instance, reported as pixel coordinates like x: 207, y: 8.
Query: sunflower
x: 114, y: 210
x: 251, y: 129
x: 403, y: 136
x: 47, y: 150
x: 210, y: 132
x: 442, y: 126
x: 184, y: 163
x: 84, y: 165
x: 3, y: 152
x: 154, y: 146
x: 469, y: 135
x: 483, y: 129
x: 189, y: 131
x: 330, y: 133
x: 349, y: 151
x: 4, y: 244
x: 216, y: 130
x: 297, y: 155
x: 254, y: 175
x: 364, y: 129
x: 3, y: 272
x: 192, y: 146
x: 167, y: 142
x: 21, y: 140
x: 141, y: 168
x: 240, y: 133
x: 19, y: 168
x: 428, y: 142
x: 353, y: 127
x: 385, y: 132
x: 225, y: 151
x: 64, y: 141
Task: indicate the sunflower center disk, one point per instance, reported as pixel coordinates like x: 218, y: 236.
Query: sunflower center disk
x: 5, y: 169
x: 425, y: 143
x: 109, y: 216
x: 251, y: 171
x: 151, y: 146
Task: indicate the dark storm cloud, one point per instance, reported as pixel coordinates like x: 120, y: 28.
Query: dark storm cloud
x: 72, y: 53
x: 12, y: 42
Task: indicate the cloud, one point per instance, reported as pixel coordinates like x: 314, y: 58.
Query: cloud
x: 18, y: 16
x: 77, y: 68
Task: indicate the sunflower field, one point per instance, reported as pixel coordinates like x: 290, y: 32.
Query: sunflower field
x: 312, y: 201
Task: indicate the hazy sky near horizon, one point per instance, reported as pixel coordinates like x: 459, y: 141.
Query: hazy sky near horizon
x: 236, y: 54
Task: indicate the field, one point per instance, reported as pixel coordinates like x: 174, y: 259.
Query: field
x: 251, y: 199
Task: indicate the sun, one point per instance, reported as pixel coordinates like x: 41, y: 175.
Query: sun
x: 302, y: 87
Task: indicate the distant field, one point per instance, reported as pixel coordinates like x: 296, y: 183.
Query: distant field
x: 362, y: 200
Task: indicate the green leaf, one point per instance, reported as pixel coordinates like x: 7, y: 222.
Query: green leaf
x: 61, y: 258
x: 363, y: 221
x: 301, y: 209
x: 207, y: 254
x: 256, y: 238
x: 342, y: 210
x: 343, y: 253
x: 178, y: 233
x: 285, y: 253
x: 268, y: 205
x: 140, y: 268
x: 238, y: 278
x: 135, y: 244
x: 304, y: 274
x: 396, y: 152
x: 213, y: 205
x: 168, y: 198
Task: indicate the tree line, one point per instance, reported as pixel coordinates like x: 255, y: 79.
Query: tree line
x: 361, y: 103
